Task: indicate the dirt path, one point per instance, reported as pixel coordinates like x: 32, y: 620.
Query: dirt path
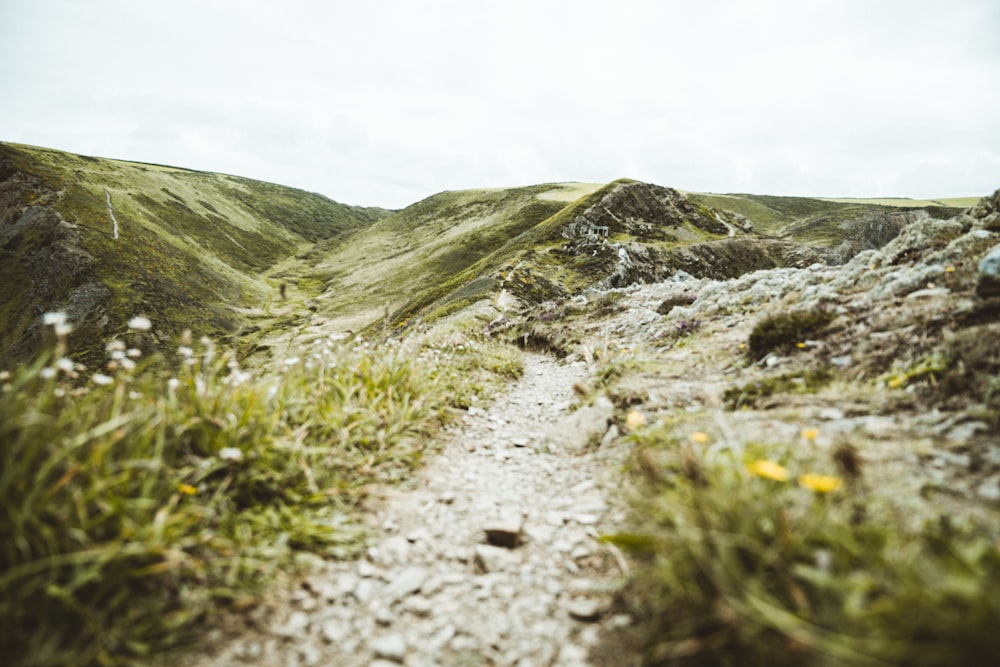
x: 433, y: 589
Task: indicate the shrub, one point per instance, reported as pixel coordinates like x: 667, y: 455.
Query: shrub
x: 786, y: 330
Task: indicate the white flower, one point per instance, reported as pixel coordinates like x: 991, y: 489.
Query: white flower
x: 102, y: 379
x: 127, y: 364
x: 140, y: 323
x: 64, y: 364
x: 114, y: 345
x: 185, y: 351
x: 173, y: 383
x: 62, y: 330
x: 54, y: 318
x: 47, y: 373
x: 133, y: 353
x: 231, y: 454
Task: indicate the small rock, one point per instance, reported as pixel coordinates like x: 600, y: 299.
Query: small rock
x: 831, y: 414
x: 335, y: 631
x: 487, y: 558
x: 418, y: 606
x: 366, y: 569
x: 384, y: 616
x: 447, y: 498
x: 405, y: 583
x: 989, y: 274
x: 584, y: 609
x: 295, y: 627
x: 519, y: 442
x: 989, y: 490
x: 504, y: 532
x: 390, y: 647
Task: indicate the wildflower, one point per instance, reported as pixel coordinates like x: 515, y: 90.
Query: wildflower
x: 810, y: 434
x: 102, y: 379
x: 801, y: 346
x: 4, y: 376
x: 140, y: 323
x: 133, y: 353
x: 54, y: 318
x: 820, y: 483
x: 699, y: 437
x: 231, y: 454
x: 47, y: 373
x: 768, y: 470
x: 62, y: 330
x: 64, y: 364
x: 949, y: 269
x: 114, y: 345
x: 635, y: 420
x: 127, y: 364
x: 187, y: 489
x: 895, y: 383
x: 185, y: 352
x: 173, y: 383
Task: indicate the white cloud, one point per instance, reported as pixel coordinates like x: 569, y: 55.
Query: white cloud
x: 386, y: 102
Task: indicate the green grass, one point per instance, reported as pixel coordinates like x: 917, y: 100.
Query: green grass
x: 774, y: 553
x: 136, y: 502
x: 193, y: 246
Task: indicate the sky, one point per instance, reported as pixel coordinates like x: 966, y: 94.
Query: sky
x: 385, y: 102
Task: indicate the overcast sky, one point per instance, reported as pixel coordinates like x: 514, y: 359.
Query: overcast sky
x: 382, y: 102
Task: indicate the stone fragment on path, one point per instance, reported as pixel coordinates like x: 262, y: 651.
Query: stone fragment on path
x: 506, y: 532
x: 488, y: 558
x: 390, y: 647
x: 584, y: 609
x: 578, y: 430
x: 406, y: 583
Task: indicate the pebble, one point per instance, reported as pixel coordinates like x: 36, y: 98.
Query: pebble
x: 390, y: 647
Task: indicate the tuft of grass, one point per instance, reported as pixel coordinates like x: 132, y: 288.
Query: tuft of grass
x: 761, y: 554
x: 137, y: 500
x: 785, y: 331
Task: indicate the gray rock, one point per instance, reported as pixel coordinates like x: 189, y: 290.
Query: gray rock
x: 488, y: 558
x: 583, y: 428
x: 335, y: 631
x: 390, y: 647
x: 406, y: 583
x: 584, y: 609
x: 504, y: 532
x: 296, y: 627
x: 989, y: 274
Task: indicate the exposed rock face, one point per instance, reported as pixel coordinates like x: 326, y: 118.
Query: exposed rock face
x: 987, y: 212
x: 42, y: 264
x: 645, y: 211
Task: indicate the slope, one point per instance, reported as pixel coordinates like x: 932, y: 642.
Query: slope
x: 192, y: 251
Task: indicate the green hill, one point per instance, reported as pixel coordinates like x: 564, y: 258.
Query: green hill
x: 194, y: 250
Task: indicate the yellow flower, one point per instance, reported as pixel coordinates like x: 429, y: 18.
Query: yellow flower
x: 699, y: 437
x: 895, y: 383
x: 635, y: 420
x: 820, y: 483
x: 810, y: 434
x: 768, y: 470
x: 949, y: 269
x: 187, y: 489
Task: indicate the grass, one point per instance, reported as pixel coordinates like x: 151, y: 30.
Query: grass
x: 138, y: 500
x: 192, y: 246
x: 778, y: 553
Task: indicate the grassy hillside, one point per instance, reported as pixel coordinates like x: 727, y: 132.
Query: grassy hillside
x: 824, y: 222
x: 194, y: 249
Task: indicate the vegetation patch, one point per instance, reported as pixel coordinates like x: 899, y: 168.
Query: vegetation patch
x: 752, y: 393
x: 136, y: 501
x: 786, y: 331
x: 771, y: 554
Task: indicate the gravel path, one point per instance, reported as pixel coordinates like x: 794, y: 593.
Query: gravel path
x: 489, y: 558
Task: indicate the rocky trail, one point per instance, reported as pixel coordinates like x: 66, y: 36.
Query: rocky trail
x: 490, y: 556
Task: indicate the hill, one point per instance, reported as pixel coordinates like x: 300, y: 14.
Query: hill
x: 193, y: 250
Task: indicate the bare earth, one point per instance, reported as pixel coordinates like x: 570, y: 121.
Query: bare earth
x: 433, y: 589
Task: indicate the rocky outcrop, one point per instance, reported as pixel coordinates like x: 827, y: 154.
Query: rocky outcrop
x: 644, y: 211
